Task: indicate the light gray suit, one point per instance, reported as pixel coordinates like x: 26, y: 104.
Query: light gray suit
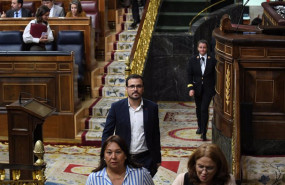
x: 57, y: 11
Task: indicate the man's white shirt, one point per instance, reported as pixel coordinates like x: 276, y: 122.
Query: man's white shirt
x: 138, y: 143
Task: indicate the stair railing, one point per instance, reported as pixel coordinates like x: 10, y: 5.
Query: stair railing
x: 141, y: 45
x: 205, y: 9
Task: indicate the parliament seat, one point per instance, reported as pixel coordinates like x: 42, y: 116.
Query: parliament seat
x: 74, y: 41
x: 30, y: 6
x: 11, y: 40
x: 91, y: 10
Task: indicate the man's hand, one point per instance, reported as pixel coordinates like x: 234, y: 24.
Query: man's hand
x: 191, y: 93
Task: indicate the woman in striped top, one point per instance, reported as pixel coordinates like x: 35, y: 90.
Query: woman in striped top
x: 116, y: 166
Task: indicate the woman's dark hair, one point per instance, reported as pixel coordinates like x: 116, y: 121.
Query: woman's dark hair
x: 122, y: 144
x: 40, y: 12
x: 216, y: 155
x: 78, y: 4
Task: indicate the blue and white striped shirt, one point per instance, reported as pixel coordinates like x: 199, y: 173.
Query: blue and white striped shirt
x: 134, y: 176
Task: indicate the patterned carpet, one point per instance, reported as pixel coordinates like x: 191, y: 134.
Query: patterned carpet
x: 72, y: 164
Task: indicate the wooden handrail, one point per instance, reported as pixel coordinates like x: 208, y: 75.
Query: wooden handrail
x: 205, y: 9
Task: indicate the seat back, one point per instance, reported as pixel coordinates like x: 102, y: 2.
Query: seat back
x: 11, y: 40
x: 50, y: 46
x: 73, y: 41
x: 30, y: 6
x: 59, y: 3
x: 91, y: 10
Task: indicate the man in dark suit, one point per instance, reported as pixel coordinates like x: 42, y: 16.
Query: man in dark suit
x: 201, y: 75
x: 135, y: 119
x: 17, y: 11
x: 136, y: 12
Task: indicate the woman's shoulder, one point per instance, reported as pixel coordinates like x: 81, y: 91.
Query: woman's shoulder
x: 231, y: 181
x: 68, y: 14
x: 33, y: 21
x: 98, y: 173
x: 83, y: 14
x: 179, y: 180
x: 141, y: 169
x: 95, y: 177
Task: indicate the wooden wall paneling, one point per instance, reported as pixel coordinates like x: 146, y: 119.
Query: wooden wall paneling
x: 55, y: 83
x: 261, y: 75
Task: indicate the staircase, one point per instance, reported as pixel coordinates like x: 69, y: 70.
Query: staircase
x: 108, y: 80
x: 175, y: 15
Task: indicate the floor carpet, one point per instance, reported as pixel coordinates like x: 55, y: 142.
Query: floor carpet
x: 67, y: 164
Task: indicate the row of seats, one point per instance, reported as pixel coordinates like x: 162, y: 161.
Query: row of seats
x: 90, y: 8
x: 66, y: 41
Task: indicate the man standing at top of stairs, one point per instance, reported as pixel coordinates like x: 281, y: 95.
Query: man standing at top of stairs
x: 135, y: 11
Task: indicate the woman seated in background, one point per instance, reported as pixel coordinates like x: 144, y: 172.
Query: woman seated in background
x: 37, y: 33
x: 116, y: 166
x: 75, y: 9
x: 206, y: 166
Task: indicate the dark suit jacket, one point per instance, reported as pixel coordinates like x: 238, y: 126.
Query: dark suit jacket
x: 196, y: 79
x: 118, y: 120
x: 25, y: 13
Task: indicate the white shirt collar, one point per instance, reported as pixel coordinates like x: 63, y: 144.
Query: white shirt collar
x: 205, y: 56
x: 141, y: 105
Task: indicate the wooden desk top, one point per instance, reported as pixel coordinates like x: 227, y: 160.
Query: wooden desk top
x: 249, y: 39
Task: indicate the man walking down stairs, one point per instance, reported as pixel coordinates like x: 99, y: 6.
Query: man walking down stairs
x: 109, y: 86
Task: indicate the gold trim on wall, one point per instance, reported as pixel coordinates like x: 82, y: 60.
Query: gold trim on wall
x: 227, y: 97
x: 236, y: 152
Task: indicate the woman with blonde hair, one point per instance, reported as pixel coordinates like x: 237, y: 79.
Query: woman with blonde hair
x: 206, y: 166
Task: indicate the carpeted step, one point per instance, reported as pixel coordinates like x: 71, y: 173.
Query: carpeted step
x: 126, y: 26
x: 116, y: 67
x: 126, y: 36
x: 128, y: 17
x: 113, y: 83
x: 123, y: 46
x: 115, y: 80
x: 101, y: 106
x: 183, y: 5
x: 120, y: 55
x: 113, y: 91
x: 91, y: 138
x: 176, y: 18
x: 95, y: 124
x: 172, y: 29
x: 175, y: 15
